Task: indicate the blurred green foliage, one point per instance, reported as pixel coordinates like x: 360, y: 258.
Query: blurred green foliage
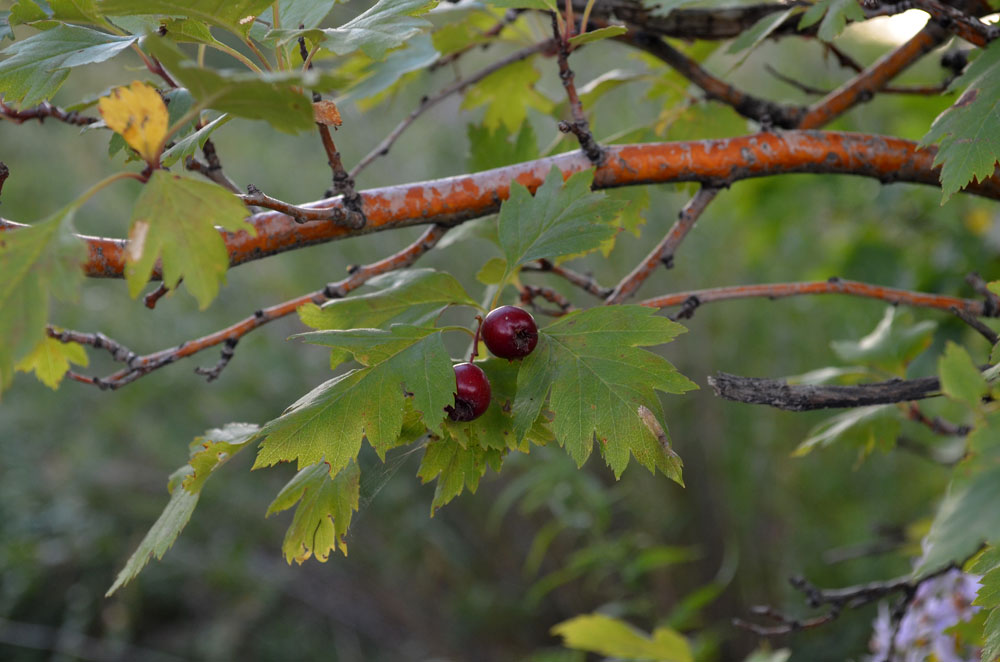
x: 83, y: 472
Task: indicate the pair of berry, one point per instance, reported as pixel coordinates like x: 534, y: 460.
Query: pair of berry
x: 509, y: 333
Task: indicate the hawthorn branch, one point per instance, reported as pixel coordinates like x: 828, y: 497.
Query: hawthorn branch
x: 964, y: 25
x: 452, y: 200
x: 937, y: 425
x: 918, y: 90
x: 117, y: 350
x: 663, y: 253
x: 256, y: 198
x: 43, y: 111
x: 808, y: 397
x: 851, y: 597
x: 586, y: 283
x: 772, y: 291
x: 429, y: 102
x: 764, y: 112
x: 139, y: 366
x: 579, y: 126
x: 530, y: 292
x: 864, y: 86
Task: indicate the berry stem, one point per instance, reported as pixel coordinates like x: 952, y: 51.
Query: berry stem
x: 475, y: 341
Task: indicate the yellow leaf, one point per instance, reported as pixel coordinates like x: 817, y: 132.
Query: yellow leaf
x: 138, y: 113
x: 50, y: 360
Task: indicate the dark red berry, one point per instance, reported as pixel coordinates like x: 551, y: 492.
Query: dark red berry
x: 510, y: 332
x: 472, y: 393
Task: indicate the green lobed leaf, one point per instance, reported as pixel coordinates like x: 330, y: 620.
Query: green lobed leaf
x: 455, y: 468
x: 38, y: 66
x: 604, y: 635
x: 598, y: 35
x: 379, y: 76
x: 411, y: 296
x: 175, y: 220
x: 968, y: 516
x: 50, y: 360
x: 163, y: 533
x: 384, y: 26
x: 36, y: 262
x: 960, y: 378
x: 330, y: 421
x: 507, y: 95
x: 305, y: 13
x: 234, y: 15
x: 208, y: 452
x: 275, y: 97
x: 751, y: 38
x: 494, y: 148
x: 891, y: 345
x: 561, y: 219
x: 326, y: 504
x: 970, y: 143
x: 191, y: 143
x: 866, y: 428
x: 835, y: 15
x: 598, y: 381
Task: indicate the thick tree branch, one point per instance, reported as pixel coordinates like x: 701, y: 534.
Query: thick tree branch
x: 807, y: 397
x: 452, y: 200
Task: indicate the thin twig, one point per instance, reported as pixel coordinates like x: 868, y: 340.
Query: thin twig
x: 216, y: 175
x: 832, y: 286
x: 429, y: 102
x: 837, y: 600
x: 530, y: 292
x: 228, y: 351
x: 254, y: 197
x: 937, y: 425
x: 977, y: 325
x: 151, y: 299
x: 585, y: 282
x: 43, y: 111
x: 765, y: 112
x: 117, y: 350
x: 139, y: 366
x: 663, y: 253
x: 918, y: 90
x: 578, y: 126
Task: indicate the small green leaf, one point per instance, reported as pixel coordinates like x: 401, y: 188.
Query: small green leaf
x: 330, y: 421
x: 866, y: 428
x: 597, y: 633
x: 455, y: 468
x: 326, y: 505
x: 412, y: 296
x: 494, y: 149
x: 750, y: 39
x: 507, y: 95
x: 813, y: 15
x: 960, y: 378
x: 599, y: 379
x: 38, y: 65
x: 597, y: 35
x: 164, y: 532
x: 970, y: 143
x: 207, y: 453
x: 50, y: 360
x: 36, y: 262
x: 383, y: 75
x: 890, y: 346
x: 492, y: 272
x: 188, y: 145
x: 175, y: 219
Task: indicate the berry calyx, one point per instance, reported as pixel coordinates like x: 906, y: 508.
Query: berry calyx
x: 510, y: 332
x: 472, y: 393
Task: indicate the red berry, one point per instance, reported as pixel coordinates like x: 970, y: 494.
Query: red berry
x: 510, y: 332
x: 472, y: 393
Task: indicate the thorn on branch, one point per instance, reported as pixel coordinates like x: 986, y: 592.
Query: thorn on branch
x: 687, y: 309
x: 228, y: 350
x: 4, y: 174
